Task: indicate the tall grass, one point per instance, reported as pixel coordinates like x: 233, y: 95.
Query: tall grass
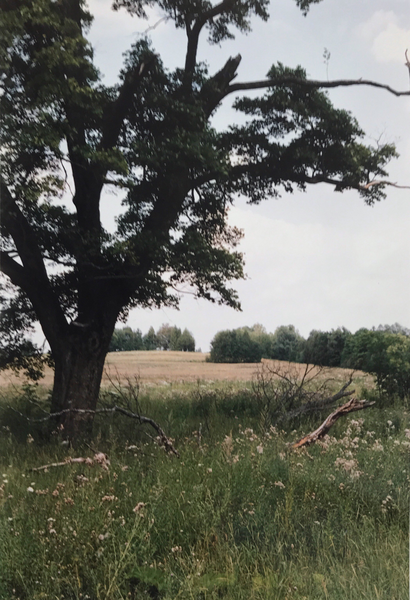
x: 238, y: 516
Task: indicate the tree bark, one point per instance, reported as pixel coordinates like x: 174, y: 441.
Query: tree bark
x: 79, y: 365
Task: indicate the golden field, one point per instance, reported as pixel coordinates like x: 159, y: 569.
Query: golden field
x: 159, y: 367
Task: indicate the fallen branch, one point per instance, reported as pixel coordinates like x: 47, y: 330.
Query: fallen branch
x: 99, y: 458
x: 351, y: 406
x: 163, y: 439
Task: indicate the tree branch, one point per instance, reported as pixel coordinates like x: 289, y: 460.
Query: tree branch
x: 312, y: 406
x: 309, y: 83
x: 214, y: 90
x: 117, y: 111
x: 31, y: 276
x: 164, y: 440
x: 340, y: 184
x: 194, y: 33
x: 351, y: 406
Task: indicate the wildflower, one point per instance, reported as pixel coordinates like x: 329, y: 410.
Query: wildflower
x: 42, y: 492
x: 55, y: 493
x: 30, y: 439
x: 176, y: 549
x: 108, y: 498
x: 139, y: 507
x: 279, y: 484
x: 407, y: 433
x: 377, y: 446
x: 209, y: 470
x: 227, y: 446
x: 30, y: 489
x: 259, y: 449
x: 69, y: 501
x: 82, y: 479
x: 387, y: 504
x: 350, y: 466
x: 102, y: 459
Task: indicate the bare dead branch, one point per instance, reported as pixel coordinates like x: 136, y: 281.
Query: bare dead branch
x: 312, y: 406
x: 163, y: 439
x: 285, y: 392
x: 310, y: 83
x: 353, y: 405
x: 99, y: 458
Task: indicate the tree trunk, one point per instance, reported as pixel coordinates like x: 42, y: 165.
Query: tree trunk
x: 79, y: 365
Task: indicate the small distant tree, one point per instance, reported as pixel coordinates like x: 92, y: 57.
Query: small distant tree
x: 315, y: 351
x: 126, y: 339
x: 186, y: 342
x: 356, y: 350
x: 287, y: 344
x: 150, y: 340
x: 336, y: 343
x: 175, y: 336
x: 164, y: 336
x: 264, y: 339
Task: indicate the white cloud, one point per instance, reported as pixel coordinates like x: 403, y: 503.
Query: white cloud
x: 388, y: 39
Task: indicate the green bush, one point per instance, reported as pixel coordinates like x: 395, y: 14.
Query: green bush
x: 234, y: 346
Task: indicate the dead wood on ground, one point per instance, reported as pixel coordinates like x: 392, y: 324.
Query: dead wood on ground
x: 351, y: 406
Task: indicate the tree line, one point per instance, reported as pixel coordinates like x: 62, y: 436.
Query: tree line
x: 166, y: 338
x: 383, y: 351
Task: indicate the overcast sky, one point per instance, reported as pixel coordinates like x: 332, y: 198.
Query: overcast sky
x: 319, y: 259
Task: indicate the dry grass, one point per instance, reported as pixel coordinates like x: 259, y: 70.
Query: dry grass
x: 167, y: 367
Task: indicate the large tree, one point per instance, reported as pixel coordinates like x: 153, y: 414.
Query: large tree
x: 151, y: 137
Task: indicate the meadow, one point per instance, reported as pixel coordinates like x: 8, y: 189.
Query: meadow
x: 238, y: 515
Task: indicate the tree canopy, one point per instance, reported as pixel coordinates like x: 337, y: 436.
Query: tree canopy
x: 149, y: 135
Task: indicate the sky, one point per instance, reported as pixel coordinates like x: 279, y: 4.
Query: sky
x: 318, y: 259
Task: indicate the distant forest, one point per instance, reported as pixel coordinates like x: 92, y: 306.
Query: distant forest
x: 383, y: 351
x: 166, y: 338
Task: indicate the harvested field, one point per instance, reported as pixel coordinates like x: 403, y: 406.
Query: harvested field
x: 167, y: 367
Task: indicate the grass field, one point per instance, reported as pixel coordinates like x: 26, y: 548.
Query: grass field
x: 167, y: 367
x: 238, y: 516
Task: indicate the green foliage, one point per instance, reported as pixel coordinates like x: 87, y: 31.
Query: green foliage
x: 234, y: 346
x: 126, y: 339
x: 185, y: 342
x: 166, y: 338
x: 326, y: 347
x: 385, y: 355
x: 287, y: 344
x: 250, y: 344
x: 150, y: 340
